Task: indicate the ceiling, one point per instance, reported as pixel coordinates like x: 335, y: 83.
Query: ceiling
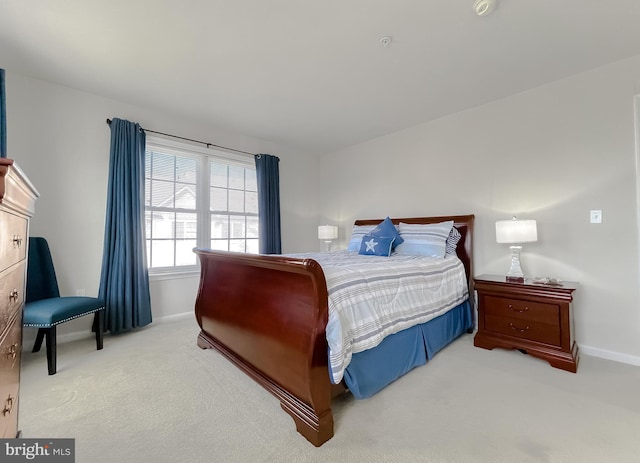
x: 311, y: 75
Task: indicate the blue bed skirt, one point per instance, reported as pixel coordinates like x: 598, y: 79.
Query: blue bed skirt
x: 372, y: 370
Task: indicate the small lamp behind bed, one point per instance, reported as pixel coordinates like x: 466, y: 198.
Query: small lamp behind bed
x: 327, y: 233
x: 516, y: 232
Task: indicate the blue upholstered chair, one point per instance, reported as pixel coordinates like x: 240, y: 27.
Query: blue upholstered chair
x: 45, y: 309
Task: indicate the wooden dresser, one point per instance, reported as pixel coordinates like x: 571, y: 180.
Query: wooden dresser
x: 533, y: 318
x: 17, y: 202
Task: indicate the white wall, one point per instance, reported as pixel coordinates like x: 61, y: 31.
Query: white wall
x: 552, y: 154
x: 60, y: 138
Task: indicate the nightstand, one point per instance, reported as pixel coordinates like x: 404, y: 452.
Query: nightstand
x: 533, y: 318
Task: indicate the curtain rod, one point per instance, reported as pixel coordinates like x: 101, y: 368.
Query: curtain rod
x: 208, y: 145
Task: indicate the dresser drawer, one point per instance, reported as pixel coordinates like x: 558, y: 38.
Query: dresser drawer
x: 13, y: 239
x: 522, y: 310
x: 11, y: 294
x: 8, y: 411
x: 10, y: 351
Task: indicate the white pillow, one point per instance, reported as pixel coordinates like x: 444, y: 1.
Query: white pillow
x: 357, y: 234
x: 424, y: 239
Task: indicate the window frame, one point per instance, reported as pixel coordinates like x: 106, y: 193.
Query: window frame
x: 203, y: 156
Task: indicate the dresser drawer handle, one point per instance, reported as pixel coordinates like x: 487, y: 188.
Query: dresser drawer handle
x: 513, y: 309
x: 8, y: 408
x: 13, y: 351
x: 519, y: 330
x: 13, y: 295
x: 17, y: 241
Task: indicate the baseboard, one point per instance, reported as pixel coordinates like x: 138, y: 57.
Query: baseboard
x: 77, y: 335
x: 610, y: 355
x: 175, y: 317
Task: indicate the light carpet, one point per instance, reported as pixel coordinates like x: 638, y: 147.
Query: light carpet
x: 153, y: 395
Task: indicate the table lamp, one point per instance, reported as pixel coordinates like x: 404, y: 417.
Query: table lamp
x: 327, y: 233
x: 515, y: 232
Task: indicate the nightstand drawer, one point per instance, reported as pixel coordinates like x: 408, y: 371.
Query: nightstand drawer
x: 523, y: 329
x: 522, y: 310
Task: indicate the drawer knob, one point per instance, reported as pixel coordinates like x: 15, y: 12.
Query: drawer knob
x: 513, y: 309
x: 519, y: 330
x: 17, y: 241
x: 8, y: 407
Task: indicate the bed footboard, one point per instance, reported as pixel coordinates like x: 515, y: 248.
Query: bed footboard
x: 267, y: 315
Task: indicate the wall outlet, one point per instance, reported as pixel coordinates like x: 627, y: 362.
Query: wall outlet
x: 596, y: 216
x: 80, y: 292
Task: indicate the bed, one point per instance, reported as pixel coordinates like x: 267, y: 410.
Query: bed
x: 268, y: 315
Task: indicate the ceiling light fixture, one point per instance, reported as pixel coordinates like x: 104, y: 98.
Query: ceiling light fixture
x: 484, y: 7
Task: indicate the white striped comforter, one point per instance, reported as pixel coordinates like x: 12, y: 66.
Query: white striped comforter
x: 372, y: 297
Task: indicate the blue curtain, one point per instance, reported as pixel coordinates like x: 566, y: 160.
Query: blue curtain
x: 124, y: 282
x: 268, y: 176
x: 3, y: 117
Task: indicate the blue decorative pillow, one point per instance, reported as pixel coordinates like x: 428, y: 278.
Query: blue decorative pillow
x: 425, y: 239
x: 377, y: 245
x: 452, y: 241
x: 386, y: 229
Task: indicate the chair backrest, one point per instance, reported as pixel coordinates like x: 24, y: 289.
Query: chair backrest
x: 41, y: 276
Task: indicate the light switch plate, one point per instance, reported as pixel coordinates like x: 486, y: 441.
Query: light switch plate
x: 596, y: 216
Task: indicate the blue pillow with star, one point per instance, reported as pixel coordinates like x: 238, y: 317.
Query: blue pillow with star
x: 373, y: 245
x: 387, y: 229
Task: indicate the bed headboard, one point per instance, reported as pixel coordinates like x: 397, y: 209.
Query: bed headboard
x: 464, y: 224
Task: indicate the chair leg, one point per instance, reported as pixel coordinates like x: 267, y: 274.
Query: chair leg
x: 51, y: 349
x: 98, y: 323
x: 40, y: 336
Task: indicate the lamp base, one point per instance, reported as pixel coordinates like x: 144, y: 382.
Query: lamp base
x: 515, y: 272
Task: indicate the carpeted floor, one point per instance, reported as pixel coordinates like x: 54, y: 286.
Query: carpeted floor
x: 153, y: 395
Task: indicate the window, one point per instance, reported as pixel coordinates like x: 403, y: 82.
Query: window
x: 200, y: 198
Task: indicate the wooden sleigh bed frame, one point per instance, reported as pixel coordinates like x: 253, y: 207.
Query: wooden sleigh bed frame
x: 267, y: 314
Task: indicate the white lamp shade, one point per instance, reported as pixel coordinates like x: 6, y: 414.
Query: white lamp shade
x: 327, y: 232
x: 516, y: 231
